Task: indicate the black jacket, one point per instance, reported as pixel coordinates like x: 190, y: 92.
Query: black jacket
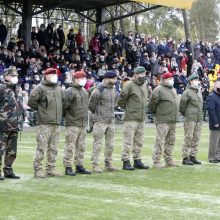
x: 213, y: 104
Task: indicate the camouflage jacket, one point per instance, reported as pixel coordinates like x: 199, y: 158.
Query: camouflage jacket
x: 102, y: 103
x: 11, y: 109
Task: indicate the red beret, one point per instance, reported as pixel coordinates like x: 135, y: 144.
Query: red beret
x: 50, y: 71
x: 167, y: 75
x: 79, y: 74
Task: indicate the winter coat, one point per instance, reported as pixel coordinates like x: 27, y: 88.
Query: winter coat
x: 213, y: 105
x: 191, y: 104
x: 164, y: 104
x: 47, y: 99
x: 75, y: 107
x: 133, y: 99
x: 102, y: 103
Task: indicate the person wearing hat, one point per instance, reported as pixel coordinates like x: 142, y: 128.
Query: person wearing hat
x: 47, y: 99
x: 102, y: 104
x: 164, y: 104
x: 213, y: 104
x: 75, y: 110
x: 10, y: 114
x: 133, y: 99
x: 191, y: 107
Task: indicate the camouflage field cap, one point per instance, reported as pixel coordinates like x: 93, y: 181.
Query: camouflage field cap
x: 10, y: 71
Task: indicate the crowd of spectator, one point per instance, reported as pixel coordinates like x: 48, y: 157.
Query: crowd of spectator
x: 120, y: 52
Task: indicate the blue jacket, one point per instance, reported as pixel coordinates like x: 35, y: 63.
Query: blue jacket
x: 213, y: 104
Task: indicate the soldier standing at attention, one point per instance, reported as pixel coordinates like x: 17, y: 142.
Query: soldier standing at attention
x: 133, y: 98
x: 164, y: 104
x: 9, y: 122
x: 76, y: 117
x: 191, y: 107
x: 102, y: 104
x: 47, y: 99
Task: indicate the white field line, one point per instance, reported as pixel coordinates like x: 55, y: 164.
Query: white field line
x: 127, y: 199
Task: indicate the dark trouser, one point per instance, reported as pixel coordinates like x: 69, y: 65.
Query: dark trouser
x: 214, y: 145
x: 8, y: 145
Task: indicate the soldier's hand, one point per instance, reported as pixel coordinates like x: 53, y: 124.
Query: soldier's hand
x: 216, y: 126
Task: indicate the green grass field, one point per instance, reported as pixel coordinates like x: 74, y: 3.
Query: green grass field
x: 187, y: 192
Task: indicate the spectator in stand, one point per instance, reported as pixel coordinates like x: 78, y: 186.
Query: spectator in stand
x: 95, y: 45
x: 59, y: 36
x: 3, y: 32
x: 216, y: 53
x: 71, y: 42
x: 79, y: 38
x: 34, y: 34
x: 42, y: 36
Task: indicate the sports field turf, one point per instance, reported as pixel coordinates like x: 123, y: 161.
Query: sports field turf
x: 187, y: 192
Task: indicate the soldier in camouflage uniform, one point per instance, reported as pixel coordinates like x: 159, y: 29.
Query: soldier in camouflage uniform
x: 102, y: 105
x: 10, y: 115
x: 47, y: 99
x: 133, y: 99
x: 164, y: 104
x: 191, y: 107
x: 76, y: 117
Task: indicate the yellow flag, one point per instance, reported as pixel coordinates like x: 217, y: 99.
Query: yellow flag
x: 183, y: 4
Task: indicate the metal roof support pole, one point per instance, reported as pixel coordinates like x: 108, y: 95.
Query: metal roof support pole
x: 27, y: 22
x: 100, y: 18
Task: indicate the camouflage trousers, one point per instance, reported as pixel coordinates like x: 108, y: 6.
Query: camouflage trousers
x: 103, y: 129
x: 165, y: 138
x: 75, y: 142
x: 133, y: 139
x: 8, y: 145
x: 47, y: 140
x: 192, y: 131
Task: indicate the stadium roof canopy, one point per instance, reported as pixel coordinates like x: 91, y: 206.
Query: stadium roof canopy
x: 84, y: 5
x: 29, y: 8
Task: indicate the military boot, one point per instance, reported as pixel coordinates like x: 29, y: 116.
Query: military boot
x: 194, y: 160
x: 9, y: 173
x: 82, y: 170
x: 127, y: 165
x: 96, y: 168
x: 109, y: 167
x: 69, y: 171
x: 52, y: 173
x: 171, y: 164
x: 187, y: 161
x: 139, y: 165
x: 158, y: 165
x: 39, y: 174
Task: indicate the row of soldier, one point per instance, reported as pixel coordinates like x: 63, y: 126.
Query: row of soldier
x: 51, y: 104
